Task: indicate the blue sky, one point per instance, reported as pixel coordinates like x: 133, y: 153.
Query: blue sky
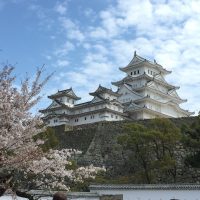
x: 86, y: 41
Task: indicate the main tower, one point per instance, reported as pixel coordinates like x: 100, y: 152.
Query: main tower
x: 146, y: 94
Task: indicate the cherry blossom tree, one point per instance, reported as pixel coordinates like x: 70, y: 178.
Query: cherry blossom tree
x: 23, y: 163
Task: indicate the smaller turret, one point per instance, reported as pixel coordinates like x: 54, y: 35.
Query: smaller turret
x: 66, y: 97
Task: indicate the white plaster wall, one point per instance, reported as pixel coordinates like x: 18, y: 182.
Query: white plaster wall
x: 87, y: 109
x: 149, y: 69
x: 158, y: 87
x: 109, y: 96
x: 153, y: 95
x: 127, y: 95
x: 60, y: 111
x: 138, y: 83
x: 147, y: 115
x: 153, y: 194
x: 162, y: 108
x: 154, y: 106
x: 87, y: 118
x: 141, y: 71
x: 9, y: 197
x: 59, y: 122
x: 161, y: 88
x: 67, y: 101
x: 170, y: 110
x: 106, y: 116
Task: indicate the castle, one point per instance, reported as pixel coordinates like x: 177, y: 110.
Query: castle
x: 142, y: 94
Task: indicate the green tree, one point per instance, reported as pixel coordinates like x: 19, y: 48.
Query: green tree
x: 154, y: 148
x: 191, y: 141
x: 165, y: 138
x: 138, y: 141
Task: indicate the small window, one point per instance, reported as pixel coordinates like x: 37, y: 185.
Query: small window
x: 148, y: 71
x: 116, y: 117
x: 131, y: 73
x: 151, y: 72
x: 85, y: 118
x: 111, y: 116
x: 134, y: 72
x: 138, y: 71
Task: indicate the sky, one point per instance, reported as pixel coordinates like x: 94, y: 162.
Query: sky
x: 84, y: 42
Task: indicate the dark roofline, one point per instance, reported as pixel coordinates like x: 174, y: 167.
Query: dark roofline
x: 144, y: 75
x: 89, y: 103
x: 102, y: 89
x: 62, y: 93
x: 142, y: 60
x: 145, y: 187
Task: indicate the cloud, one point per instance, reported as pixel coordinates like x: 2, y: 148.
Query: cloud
x: 45, y: 22
x: 90, y: 13
x: 168, y: 31
x: 165, y: 30
x: 72, y: 29
x: 62, y: 63
x: 61, y: 7
x: 64, y: 49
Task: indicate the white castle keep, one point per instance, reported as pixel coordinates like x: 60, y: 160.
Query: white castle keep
x: 142, y: 94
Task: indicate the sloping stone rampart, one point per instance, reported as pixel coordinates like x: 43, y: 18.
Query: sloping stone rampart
x: 98, y: 142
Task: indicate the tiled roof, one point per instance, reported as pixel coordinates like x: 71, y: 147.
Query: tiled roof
x: 68, y: 92
x: 102, y: 89
x: 138, y: 59
x: 145, y: 187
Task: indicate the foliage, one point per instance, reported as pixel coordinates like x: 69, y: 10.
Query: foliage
x: 153, y: 148
x: 191, y: 141
x: 49, y: 138
x: 26, y: 158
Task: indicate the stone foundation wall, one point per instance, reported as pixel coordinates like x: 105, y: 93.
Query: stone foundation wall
x: 99, y: 145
